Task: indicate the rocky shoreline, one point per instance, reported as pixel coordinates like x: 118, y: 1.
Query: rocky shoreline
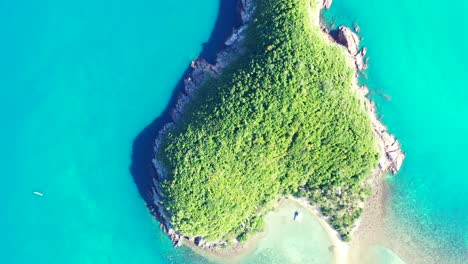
x: 391, y: 154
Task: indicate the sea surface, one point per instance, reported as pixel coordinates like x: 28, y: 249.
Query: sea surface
x: 79, y: 80
x: 81, y: 83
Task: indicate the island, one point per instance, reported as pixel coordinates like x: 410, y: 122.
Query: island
x: 280, y: 114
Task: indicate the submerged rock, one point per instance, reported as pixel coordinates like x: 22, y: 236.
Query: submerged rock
x: 327, y: 3
x: 175, y: 237
x: 356, y: 27
x: 361, y: 63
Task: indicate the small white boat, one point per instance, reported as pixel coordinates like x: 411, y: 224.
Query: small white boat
x: 297, y: 216
x: 38, y: 194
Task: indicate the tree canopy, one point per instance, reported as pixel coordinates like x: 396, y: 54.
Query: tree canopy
x: 280, y: 117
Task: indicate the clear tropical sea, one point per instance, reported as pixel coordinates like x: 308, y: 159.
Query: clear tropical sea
x: 81, y: 80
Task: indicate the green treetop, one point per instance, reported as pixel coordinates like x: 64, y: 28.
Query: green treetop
x: 281, y: 116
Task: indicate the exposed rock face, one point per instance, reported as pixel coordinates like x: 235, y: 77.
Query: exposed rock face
x: 392, y: 156
x: 364, y: 51
x: 201, y: 70
x: 349, y: 39
x: 327, y: 3
x: 361, y: 64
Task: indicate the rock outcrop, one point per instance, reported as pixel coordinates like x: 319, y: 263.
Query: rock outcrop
x: 201, y: 70
x: 327, y: 3
x: 392, y: 155
x: 356, y: 27
x: 349, y: 39
x: 361, y: 63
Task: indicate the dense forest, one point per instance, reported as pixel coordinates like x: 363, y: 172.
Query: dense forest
x: 281, y: 119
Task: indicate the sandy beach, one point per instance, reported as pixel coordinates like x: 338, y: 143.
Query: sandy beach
x: 340, y: 248
x: 278, y: 224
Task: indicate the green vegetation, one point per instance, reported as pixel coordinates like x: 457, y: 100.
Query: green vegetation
x: 282, y: 116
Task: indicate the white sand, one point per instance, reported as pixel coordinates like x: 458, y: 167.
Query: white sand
x: 340, y: 248
x: 288, y: 239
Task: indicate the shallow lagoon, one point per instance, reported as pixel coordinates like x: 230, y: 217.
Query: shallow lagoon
x: 292, y: 241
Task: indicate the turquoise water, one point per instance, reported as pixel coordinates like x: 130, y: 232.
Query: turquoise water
x: 381, y: 255
x: 286, y: 240
x: 417, y: 73
x: 79, y: 80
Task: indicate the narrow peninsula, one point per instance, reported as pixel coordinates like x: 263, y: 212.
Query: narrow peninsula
x: 279, y: 114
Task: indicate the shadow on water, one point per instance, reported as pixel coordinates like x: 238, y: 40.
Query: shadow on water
x: 142, y: 149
